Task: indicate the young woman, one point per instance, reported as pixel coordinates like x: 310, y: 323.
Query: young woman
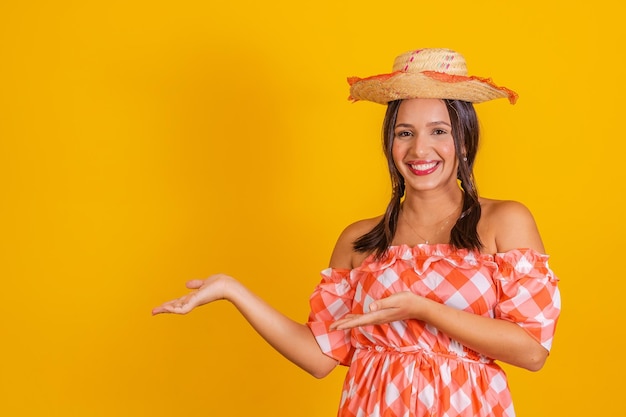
x: 421, y: 301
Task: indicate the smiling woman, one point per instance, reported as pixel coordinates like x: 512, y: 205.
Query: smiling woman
x: 420, y: 302
x: 458, y: 115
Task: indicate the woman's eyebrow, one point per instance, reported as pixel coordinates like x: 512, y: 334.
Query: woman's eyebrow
x: 439, y: 122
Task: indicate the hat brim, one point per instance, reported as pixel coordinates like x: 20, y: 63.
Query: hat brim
x: 384, y: 88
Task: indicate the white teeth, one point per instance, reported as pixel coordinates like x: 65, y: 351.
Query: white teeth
x: 423, y: 167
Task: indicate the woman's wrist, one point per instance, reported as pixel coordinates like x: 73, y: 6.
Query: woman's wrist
x: 231, y: 289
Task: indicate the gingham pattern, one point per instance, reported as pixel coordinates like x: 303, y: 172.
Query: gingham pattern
x: 409, y: 369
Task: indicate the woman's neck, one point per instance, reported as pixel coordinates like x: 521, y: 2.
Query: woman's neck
x: 429, y: 208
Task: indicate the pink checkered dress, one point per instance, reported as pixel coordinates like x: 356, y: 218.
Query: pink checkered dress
x: 410, y: 369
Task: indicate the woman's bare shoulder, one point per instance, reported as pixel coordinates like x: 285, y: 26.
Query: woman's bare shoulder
x: 503, y: 208
x: 344, y: 255
x: 361, y: 227
x: 508, y: 224
x: 502, y: 213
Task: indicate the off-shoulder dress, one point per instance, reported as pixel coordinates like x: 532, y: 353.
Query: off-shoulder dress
x: 409, y: 368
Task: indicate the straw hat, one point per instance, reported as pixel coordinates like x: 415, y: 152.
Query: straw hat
x: 427, y: 73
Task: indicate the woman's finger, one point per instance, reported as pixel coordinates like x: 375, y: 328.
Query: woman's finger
x: 194, y: 283
x: 354, y: 320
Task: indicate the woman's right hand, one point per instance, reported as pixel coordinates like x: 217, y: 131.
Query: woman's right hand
x: 204, y: 292
x: 293, y: 340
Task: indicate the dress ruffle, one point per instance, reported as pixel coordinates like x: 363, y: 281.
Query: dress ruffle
x: 331, y: 300
x: 528, y: 293
x: 422, y: 256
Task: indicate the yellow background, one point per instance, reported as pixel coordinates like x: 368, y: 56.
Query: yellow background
x: 145, y: 143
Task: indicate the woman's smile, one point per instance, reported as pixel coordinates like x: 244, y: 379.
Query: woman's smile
x: 423, y: 167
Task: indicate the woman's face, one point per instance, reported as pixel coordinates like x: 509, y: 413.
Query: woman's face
x: 423, y: 146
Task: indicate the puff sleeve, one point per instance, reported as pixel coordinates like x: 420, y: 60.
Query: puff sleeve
x: 330, y: 301
x: 527, y: 293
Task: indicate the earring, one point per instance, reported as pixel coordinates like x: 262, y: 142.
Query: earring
x: 465, y: 159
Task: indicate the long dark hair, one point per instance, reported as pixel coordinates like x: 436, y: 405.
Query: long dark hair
x: 465, y: 132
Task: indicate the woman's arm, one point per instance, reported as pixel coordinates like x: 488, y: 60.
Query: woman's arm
x: 291, y: 339
x: 498, y: 339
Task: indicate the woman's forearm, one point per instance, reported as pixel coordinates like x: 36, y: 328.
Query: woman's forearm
x: 498, y: 339
x: 293, y: 340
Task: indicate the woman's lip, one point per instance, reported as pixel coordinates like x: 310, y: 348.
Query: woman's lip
x: 423, y: 167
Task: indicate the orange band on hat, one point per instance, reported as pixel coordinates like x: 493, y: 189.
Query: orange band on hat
x: 440, y: 76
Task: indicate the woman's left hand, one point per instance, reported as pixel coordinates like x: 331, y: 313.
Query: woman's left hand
x: 399, y: 306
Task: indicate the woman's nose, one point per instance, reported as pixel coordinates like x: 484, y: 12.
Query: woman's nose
x: 419, y: 146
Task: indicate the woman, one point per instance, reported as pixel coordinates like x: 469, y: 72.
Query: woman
x: 421, y: 301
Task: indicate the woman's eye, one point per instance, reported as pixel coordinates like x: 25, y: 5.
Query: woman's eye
x: 439, y: 132
x: 403, y: 134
